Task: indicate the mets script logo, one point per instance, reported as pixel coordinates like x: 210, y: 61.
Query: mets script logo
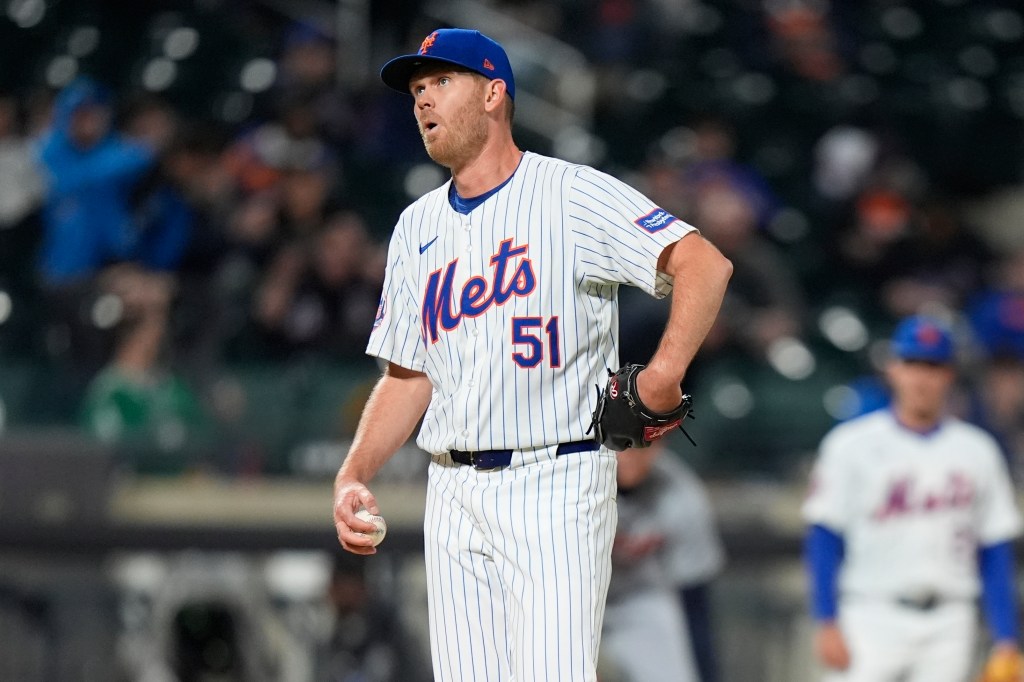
x: 929, y: 336
x: 428, y: 43
x: 904, y: 498
x: 478, y: 294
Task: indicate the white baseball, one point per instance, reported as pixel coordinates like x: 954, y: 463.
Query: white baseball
x: 382, y: 527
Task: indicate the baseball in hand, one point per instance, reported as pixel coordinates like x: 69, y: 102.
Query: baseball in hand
x: 382, y: 527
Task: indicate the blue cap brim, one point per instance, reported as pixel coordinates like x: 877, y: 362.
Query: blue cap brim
x: 397, y: 73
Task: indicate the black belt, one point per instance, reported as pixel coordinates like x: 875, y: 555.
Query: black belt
x: 925, y: 602
x: 497, y: 459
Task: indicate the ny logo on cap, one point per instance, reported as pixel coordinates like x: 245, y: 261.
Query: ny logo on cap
x: 428, y: 43
x: 927, y: 335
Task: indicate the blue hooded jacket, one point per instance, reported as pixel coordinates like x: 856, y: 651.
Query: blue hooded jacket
x: 88, y: 216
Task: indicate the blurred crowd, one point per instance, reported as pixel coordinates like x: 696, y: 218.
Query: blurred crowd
x: 857, y: 162
x: 154, y: 243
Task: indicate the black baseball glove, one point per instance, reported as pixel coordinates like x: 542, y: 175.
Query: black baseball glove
x: 622, y: 421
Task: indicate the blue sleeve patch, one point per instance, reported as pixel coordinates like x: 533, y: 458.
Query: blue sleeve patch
x: 656, y: 220
x: 382, y: 311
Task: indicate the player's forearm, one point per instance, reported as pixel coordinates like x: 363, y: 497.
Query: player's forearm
x: 701, y: 275
x: 392, y: 411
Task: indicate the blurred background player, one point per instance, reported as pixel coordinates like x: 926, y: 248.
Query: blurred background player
x: 912, y: 511
x: 667, y: 551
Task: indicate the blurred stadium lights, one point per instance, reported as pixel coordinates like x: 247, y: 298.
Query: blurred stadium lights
x: 720, y: 62
x: 258, y: 75
x: 879, y: 353
x: 180, y: 43
x: 83, y: 41
x: 700, y: 19
x: 577, y: 145
x: 967, y: 93
x: 422, y: 178
x: 791, y: 358
x: 775, y: 158
x: 901, y: 22
x: 107, y: 311
x: 646, y: 85
x: 1005, y: 25
x: 753, y: 88
x: 26, y: 13
x: 298, y: 576
x: 233, y: 107
x: 352, y: 28
x: 732, y: 398
x: 1015, y: 94
x: 978, y: 60
x: 878, y: 58
x: 843, y: 328
x: 158, y: 74
x: 859, y: 89
x: 6, y: 306
x: 789, y: 225
x: 61, y: 70
x: 841, y: 402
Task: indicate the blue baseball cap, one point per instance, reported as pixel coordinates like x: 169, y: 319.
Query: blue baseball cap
x: 462, y: 47
x: 923, y: 338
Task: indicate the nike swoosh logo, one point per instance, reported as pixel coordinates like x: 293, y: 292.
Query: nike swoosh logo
x: 424, y: 247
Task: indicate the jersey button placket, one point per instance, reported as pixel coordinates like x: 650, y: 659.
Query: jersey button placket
x: 464, y: 246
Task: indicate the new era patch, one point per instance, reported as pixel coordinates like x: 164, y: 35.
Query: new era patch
x: 656, y: 220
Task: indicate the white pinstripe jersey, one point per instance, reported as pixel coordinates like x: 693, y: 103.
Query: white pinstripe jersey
x: 511, y: 310
x: 912, y: 508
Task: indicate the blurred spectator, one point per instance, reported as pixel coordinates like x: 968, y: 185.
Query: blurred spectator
x: 692, y: 174
x: 192, y: 181
x: 901, y: 257
x: 136, y: 399
x: 308, y: 84
x: 658, y: 621
x: 804, y: 40
x: 998, y: 406
x: 21, y: 194
x: 997, y: 311
x: 844, y: 157
x: 292, y: 141
x: 368, y: 643
x: 21, y: 186
x: 687, y: 159
x: 321, y: 294
x: 765, y: 302
x: 92, y: 172
x: 862, y: 252
x: 997, y: 318
x: 940, y: 262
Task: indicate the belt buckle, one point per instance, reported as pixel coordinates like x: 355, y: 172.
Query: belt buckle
x: 920, y: 602
x: 477, y: 463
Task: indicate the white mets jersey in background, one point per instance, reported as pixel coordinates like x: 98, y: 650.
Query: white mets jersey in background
x: 511, y: 309
x: 912, y: 508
